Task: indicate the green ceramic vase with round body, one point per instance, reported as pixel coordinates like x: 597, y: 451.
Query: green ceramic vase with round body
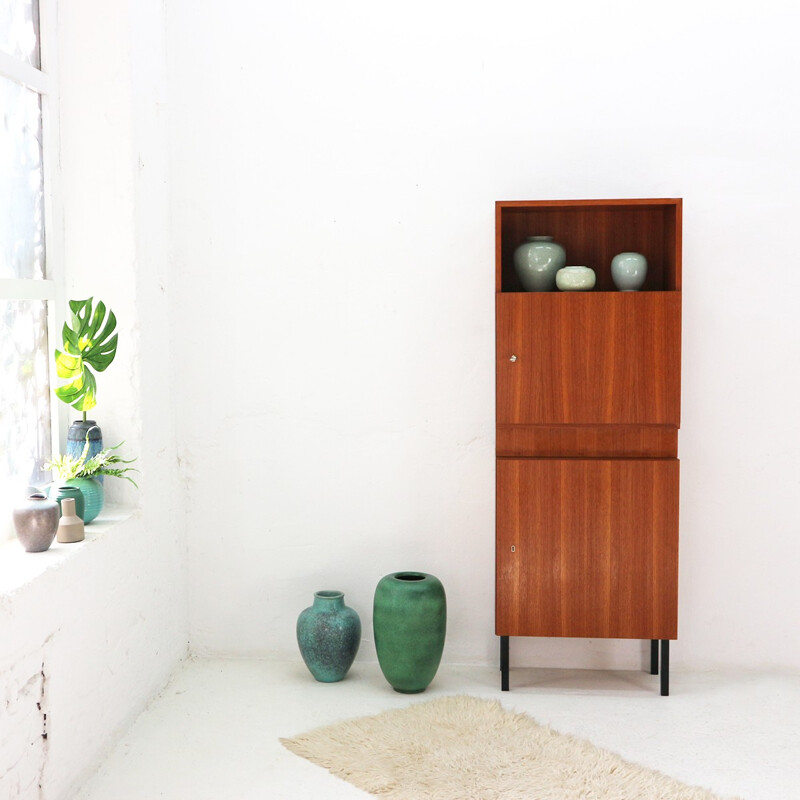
x: 93, y: 496
x: 328, y: 634
x: 409, y: 622
x: 58, y: 491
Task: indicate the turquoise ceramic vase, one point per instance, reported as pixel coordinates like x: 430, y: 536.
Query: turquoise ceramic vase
x: 536, y: 261
x: 409, y: 622
x: 59, y: 491
x: 328, y: 634
x: 93, y: 496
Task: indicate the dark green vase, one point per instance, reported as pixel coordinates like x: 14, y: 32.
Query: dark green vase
x: 409, y: 622
x: 328, y: 633
x: 59, y: 491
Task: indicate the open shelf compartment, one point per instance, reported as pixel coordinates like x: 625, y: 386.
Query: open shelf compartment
x: 593, y: 232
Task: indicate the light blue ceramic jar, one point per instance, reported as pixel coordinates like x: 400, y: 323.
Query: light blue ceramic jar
x: 537, y: 260
x: 629, y: 271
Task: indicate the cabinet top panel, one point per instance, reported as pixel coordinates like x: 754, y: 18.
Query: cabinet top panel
x: 636, y: 201
x: 592, y: 233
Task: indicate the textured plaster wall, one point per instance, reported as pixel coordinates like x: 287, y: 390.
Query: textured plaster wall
x: 333, y: 171
x: 89, y: 641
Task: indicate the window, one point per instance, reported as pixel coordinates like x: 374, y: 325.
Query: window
x: 26, y: 286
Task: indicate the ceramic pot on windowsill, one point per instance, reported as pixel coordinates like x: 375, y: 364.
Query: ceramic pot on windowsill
x: 93, y: 496
x: 76, y: 439
x: 36, y: 522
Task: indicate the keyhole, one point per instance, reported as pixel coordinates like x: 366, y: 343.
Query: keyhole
x: 513, y: 548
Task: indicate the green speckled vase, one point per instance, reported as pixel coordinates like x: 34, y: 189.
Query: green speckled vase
x: 328, y: 633
x: 409, y: 622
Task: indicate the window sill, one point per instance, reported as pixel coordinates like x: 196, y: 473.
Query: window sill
x: 18, y: 568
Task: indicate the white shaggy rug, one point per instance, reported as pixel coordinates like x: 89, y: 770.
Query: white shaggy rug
x: 464, y: 748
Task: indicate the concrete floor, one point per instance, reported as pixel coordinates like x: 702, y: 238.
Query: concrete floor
x: 213, y: 732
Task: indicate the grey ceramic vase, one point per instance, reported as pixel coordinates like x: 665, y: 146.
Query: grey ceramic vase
x: 36, y: 522
x: 537, y: 260
x: 328, y: 634
x: 629, y: 271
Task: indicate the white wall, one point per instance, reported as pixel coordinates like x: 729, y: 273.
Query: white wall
x: 333, y: 170
x: 88, y: 642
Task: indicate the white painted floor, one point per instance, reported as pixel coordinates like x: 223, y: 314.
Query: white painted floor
x: 213, y: 733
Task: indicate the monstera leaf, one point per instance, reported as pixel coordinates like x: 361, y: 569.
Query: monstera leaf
x: 87, y: 344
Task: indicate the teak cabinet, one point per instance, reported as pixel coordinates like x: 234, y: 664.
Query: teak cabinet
x: 588, y: 411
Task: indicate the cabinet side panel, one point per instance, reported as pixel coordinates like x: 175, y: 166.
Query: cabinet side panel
x: 595, y: 548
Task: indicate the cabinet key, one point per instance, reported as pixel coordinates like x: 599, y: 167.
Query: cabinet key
x: 513, y: 358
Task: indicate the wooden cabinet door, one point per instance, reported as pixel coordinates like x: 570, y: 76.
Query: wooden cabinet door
x: 588, y: 358
x: 587, y: 548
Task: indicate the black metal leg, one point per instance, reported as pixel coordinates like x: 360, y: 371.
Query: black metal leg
x: 504, y: 663
x: 664, y: 667
x: 654, y: 656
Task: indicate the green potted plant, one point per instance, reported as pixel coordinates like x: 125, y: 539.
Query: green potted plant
x: 83, y: 472
x: 89, y: 343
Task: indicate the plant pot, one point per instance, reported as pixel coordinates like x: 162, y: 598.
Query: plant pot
x: 409, y: 622
x: 36, y: 522
x: 93, y: 496
x: 58, y: 491
x: 328, y: 634
x: 76, y: 439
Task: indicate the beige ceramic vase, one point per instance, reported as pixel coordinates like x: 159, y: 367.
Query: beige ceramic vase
x: 70, y: 527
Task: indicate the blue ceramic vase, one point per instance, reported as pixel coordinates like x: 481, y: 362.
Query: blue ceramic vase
x: 76, y: 439
x: 409, y: 622
x: 328, y: 634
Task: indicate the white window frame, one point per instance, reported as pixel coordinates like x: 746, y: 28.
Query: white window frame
x: 44, y: 81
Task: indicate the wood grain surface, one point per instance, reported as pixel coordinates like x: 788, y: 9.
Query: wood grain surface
x: 587, y: 548
x: 588, y: 358
x: 596, y: 441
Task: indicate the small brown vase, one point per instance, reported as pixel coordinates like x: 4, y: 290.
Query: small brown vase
x: 36, y: 522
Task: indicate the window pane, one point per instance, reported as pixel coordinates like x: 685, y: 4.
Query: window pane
x: 24, y: 391
x: 21, y: 186
x: 19, y: 29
